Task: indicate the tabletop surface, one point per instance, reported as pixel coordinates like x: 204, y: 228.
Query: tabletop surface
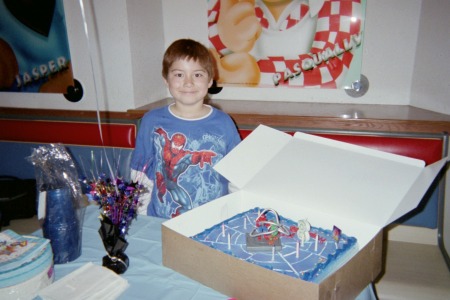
x: 147, y: 277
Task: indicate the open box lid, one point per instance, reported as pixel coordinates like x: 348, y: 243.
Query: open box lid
x: 325, y: 175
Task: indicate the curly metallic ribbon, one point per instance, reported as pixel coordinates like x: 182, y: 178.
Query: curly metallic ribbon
x: 277, y: 226
x: 117, y: 259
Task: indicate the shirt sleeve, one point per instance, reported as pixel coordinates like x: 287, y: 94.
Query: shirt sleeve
x: 234, y: 137
x: 141, y: 159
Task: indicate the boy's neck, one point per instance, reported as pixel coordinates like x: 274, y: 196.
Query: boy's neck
x: 190, y: 112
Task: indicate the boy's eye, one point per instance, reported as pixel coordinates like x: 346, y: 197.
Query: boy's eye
x: 201, y: 75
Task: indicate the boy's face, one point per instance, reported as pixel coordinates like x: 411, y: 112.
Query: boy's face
x: 188, y: 82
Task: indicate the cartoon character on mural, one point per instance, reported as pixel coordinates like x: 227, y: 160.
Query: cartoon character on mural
x: 176, y: 160
x: 34, y: 49
x: 297, y: 43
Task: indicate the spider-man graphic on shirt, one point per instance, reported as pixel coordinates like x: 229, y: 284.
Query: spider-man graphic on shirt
x: 176, y: 160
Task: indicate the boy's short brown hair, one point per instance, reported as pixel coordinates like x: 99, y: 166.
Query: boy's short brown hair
x: 188, y: 49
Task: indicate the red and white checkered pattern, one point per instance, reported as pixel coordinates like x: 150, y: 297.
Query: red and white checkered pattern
x: 337, y: 21
x: 293, y: 18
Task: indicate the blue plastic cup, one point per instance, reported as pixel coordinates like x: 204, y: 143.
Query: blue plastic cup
x: 61, y: 226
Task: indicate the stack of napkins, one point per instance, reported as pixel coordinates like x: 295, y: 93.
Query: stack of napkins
x: 17, y: 250
x: 26, y: 265
x: 88, y: 282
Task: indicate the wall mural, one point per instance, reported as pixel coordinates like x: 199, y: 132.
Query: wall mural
x: 34, y: 49
x: 281, y: 43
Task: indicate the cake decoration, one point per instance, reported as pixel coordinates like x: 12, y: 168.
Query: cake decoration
x: 265, y: 238
x: 303, y: 231
x: 336, y: 235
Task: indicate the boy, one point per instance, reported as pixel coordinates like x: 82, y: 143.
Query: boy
x: 177, y: 145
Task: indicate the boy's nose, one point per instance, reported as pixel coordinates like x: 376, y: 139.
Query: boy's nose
x: 188, y: 80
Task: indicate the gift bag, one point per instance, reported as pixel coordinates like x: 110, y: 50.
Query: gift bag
x: 61, y: 203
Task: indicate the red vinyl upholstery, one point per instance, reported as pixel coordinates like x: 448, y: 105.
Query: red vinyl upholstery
x: 124, y: 136
x: 427, y: 149
x: 68, y: 132
x: 82, y: 137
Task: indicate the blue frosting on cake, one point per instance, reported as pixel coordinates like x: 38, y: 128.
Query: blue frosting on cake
x: 310, y: 265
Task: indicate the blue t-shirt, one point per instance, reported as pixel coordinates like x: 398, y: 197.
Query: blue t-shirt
x: 178, y: 155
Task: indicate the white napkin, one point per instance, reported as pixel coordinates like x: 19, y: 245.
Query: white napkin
x: 88, y: 282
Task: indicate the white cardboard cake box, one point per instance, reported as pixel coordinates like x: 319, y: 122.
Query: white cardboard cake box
x: 358, y: 189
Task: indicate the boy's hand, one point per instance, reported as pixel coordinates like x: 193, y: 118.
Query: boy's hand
x: 238, y: 26
x: 203, y: 157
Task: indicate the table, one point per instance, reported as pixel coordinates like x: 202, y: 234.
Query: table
x: 147, y: 277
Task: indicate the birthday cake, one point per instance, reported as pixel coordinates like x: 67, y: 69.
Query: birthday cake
x: 26, y: 265
x: 297, y: 249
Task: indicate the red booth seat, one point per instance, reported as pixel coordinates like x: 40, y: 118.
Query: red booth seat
x: 69, y: 132
x: 428, y: 148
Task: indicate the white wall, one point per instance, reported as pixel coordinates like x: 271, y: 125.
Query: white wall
x: 431, y: 76
x: 128, y: 38
x: 145, y: 19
